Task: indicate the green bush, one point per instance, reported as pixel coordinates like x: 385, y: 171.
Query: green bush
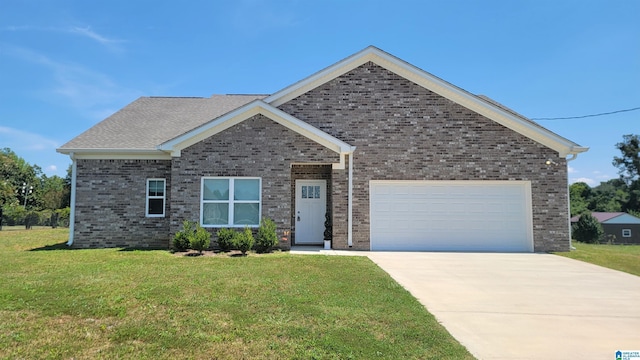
x: 587, y: 229
x: 181, y: 240
x: 200, y: 239
x: 267, y: 236
x: 244, y: 241
x: 226, y: 239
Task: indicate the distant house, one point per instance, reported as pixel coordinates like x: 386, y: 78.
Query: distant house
x: 395, y: 157
x: 623, y: 228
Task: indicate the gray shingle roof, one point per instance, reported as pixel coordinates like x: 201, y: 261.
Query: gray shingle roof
x: 150, y: 121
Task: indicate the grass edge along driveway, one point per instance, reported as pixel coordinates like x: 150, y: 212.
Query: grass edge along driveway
x: 109, y: 303
x: 624, y: 258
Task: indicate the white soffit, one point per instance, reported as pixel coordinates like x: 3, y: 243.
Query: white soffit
x: 563, y: 146
x: 245, y: 112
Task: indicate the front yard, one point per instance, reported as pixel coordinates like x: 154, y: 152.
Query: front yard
x: 618, y: 257
x: 110, y: 303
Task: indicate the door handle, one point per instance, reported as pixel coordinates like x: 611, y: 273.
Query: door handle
x: 298, y: 217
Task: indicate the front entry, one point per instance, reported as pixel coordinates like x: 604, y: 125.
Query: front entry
x: 311, y: 205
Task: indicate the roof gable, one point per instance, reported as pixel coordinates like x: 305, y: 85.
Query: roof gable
x: 475, y: 103
x: 176, y: 145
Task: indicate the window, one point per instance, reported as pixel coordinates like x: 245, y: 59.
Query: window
x: 155, y: 197
x: 626, y: 232
x: 310, y: 192
x: 233, y: 202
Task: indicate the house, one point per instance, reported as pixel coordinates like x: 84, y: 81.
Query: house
x: 398, y: 158
x: 620, y: 227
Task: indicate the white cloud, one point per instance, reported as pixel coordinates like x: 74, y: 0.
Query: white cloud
x: 85, y: 32
x: 23, y: 140
x: 51, y: 169
x: 91, y: 92
x: 571, y: 170
x: 588, y: 181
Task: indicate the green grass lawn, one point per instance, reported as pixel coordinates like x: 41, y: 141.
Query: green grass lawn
x: 619, y: 257
x: 110, y: 303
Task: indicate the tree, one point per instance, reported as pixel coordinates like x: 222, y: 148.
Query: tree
x: 629, y: 169
x: 14, y: 172
x: 579, y: 195
x: 587, y: 229
x: 629, y: 163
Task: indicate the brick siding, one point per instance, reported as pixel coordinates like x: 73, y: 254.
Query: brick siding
x: 111, y: 204
x: 257, y: 147
x: 405, y: 132
x: 401, y: 130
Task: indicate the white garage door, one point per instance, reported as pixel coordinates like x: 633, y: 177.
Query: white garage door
x: 451, y: 216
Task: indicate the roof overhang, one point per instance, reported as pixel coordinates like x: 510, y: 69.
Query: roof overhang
x: 257, y: 107
x: 115, y: 154
x: 521, y: 125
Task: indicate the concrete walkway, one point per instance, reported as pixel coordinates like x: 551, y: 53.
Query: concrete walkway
x: 523, y: 306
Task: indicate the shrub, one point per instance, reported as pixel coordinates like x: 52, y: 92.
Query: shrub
x: 200, y: 239
x: 267, y: 237
x: 226, y: 239
x: 181, y: 241
x: 244, y: 240
x: 587, y: 229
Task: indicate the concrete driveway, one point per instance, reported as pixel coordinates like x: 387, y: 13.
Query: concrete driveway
x: 523, y: 306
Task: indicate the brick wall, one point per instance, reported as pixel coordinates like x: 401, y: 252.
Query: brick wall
x: 405, y: 132
x: 111, y: 204
x: 257, y: 147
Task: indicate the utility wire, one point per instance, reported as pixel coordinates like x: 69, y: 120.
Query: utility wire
x: 587, y: 116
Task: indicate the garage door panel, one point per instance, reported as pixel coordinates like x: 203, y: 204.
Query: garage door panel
x: 451, y: 216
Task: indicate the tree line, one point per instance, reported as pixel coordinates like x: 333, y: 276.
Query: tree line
x: 615, y: 195
x: 28, y: 196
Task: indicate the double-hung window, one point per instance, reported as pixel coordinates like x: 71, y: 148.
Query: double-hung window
x: 156, y: 190
x: 230, y: 201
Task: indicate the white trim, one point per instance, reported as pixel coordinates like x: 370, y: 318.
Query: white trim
x: 116, y: 154
x: 163, y: 197
x: 543, y: 136
x: 72, y: 205
x: 231, y: 202
x: 245, y: 112
x: 350, y: 203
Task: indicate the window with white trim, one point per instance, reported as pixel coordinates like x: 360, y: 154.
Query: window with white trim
x: 230, y: 201
x: 626, y: 232
x: 156, y: 196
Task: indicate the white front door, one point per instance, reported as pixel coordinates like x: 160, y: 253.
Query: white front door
x: 311, y: 205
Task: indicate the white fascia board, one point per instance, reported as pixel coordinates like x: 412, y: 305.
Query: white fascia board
x: 116, y: 154
x: 245, y: 112
x: 563, y: 146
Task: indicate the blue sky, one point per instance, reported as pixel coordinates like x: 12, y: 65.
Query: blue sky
x: 66, y: 65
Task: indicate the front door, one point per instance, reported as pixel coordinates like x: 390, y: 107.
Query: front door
x: 311, y: 205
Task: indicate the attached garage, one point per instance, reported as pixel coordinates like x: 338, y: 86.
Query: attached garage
x: 451, y: 216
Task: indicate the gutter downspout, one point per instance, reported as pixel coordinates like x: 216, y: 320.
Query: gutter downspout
x: 72, y: 213
x: 350, y: 201
x: 573, y: 157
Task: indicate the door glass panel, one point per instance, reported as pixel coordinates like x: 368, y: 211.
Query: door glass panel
x: 317, y: 192
x: 215, y: 214
x: 304, y: 192
x: 216, y: 189
x: 246, y: 189
x: 246, y: 214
